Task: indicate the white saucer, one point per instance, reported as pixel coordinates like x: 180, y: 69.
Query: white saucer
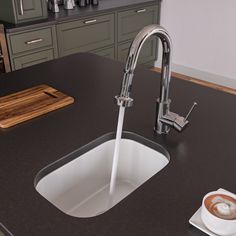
x: 196, y: 219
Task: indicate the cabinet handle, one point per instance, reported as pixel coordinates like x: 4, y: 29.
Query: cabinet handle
x: 90, y: 21
x: 33, y: 41
x: 21, y: 7
x: 141, y: 10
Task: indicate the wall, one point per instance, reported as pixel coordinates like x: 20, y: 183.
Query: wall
x: 204, y: 38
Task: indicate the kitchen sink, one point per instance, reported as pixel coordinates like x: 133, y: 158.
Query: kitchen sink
x: 78, y: 184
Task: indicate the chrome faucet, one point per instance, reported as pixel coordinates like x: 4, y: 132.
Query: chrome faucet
x: 164, y: 117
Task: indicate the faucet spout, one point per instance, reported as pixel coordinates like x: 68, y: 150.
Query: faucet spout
x: 133, y: 55
x: 162, y: 124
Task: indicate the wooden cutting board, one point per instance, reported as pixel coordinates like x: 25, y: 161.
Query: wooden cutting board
x: 30, y: 103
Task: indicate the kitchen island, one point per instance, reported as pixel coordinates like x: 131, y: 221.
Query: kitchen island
x: 202, y: 157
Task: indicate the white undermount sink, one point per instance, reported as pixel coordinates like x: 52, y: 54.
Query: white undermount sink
x: 78, y: 184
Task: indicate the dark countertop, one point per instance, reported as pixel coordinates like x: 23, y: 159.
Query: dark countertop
x: 202, y: 156
x: 77, y: 13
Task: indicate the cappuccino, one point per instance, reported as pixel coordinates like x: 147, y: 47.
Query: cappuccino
x: 221, y: 206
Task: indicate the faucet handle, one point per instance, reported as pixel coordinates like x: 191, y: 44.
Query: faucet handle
x: 181, y: 122
x: 176, y: 121
x: 190, y: 111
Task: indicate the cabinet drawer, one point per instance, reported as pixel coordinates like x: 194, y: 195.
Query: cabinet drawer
x: 85, y: 35
x: 148, y: 52
x: 108, y: 52
x: 32, y: 59
x: 132, y: 21
x: 31, y: 40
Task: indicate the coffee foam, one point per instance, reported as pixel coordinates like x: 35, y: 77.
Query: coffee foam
x: 221, y: 206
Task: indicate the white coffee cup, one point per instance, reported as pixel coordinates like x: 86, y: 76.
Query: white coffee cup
x: 215, y: 224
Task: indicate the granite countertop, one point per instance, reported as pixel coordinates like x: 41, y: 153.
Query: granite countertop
x: 202, y: 157
x: 77, y: 13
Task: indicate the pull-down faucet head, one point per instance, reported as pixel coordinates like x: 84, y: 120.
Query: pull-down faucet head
x: 164, y: 118
x: 132, y: 59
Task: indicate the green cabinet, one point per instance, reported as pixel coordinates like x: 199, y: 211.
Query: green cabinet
x: 19, y: 11
x: 109, y: 35
x: 32, y: 47
x: 32, y: 59
x: 148, y: 52
x: 86, y: 35
x: 31, y: 40
x: 115, y: 31
x: 130, y: 22
x: 28, y: 10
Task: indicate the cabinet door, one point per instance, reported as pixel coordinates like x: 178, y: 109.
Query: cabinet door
x: 148, y: 52
x: 132, y: 21
x: 27, y: 10
x: 85, y: 35
x: 32, y: 59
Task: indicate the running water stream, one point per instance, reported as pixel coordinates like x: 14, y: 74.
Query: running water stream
x: 116, y: 154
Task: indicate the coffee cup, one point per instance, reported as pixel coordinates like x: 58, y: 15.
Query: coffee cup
x: 218, y: 212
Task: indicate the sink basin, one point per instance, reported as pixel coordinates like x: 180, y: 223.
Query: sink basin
x: 78, y: 184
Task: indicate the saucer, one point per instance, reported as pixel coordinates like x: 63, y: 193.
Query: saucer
x: 196, y: 219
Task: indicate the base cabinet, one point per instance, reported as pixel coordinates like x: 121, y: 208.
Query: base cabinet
x: 32, y: 47
x: 116, y: 30
x: 28, y: 41
x: 148, y: 52
x: 32, y: 59
x: 109, y: 35
x: 130, y: 22
x: 86, y: 35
